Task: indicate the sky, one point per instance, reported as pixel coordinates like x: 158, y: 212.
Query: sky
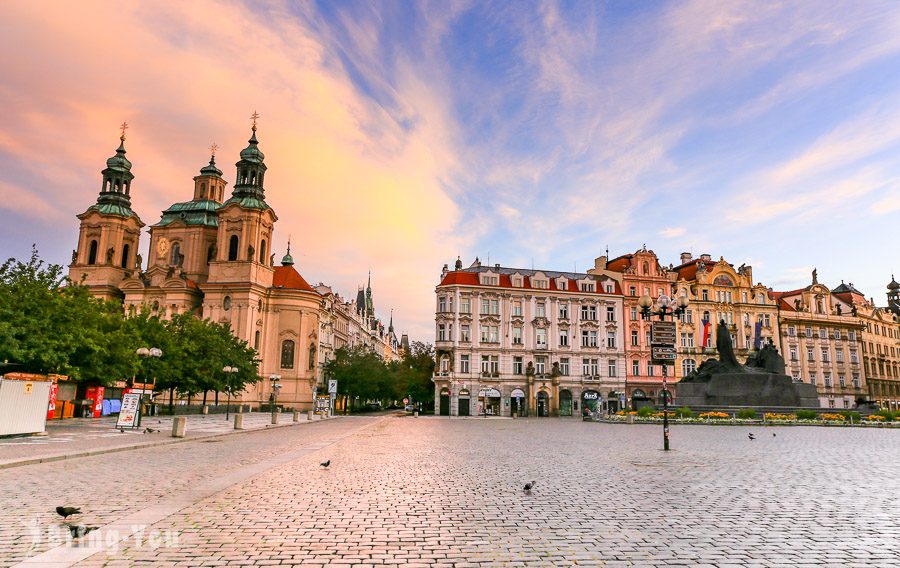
x: 399, y: 135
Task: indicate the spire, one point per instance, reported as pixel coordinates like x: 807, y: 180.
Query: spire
x: 115, y: 193
x: 370, y: 305
x: 288, y: 260
x: 251, y: 170
x: 211, y: 169
x: 391, y: 324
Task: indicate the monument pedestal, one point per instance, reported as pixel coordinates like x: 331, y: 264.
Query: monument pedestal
x: 748, y: 389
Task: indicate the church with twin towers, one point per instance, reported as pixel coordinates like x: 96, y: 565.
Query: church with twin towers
x: 212, y: 256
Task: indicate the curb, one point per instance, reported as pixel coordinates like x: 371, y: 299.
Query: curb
x: 88, y: 453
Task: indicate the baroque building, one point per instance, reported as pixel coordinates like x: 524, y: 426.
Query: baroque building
x: 530, y: 342
x: 717, y: 291
x: 821, y: 341
x: 209, y: 256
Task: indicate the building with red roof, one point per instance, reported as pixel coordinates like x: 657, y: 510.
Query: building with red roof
x: 528, y: 342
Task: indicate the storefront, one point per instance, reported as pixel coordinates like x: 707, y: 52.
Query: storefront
x: 565, y: 402
x: 543, y: 404
x: 591, y: 403
x: 490, y: 401
x: 444, y: 404
x: 517, y: 400
x: 463, y: 403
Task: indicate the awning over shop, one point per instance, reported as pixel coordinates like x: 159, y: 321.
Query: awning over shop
x: 517, y: 393
x: 489, y: 393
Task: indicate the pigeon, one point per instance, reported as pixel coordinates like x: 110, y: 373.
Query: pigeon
x: 79, y: 531
x: 528, y: 487
x: 325, y: 463
x: 150, y: 431
x: 64, y: 512
x: 773, y: 434
x: 751, y: 436
x: 121, y: 430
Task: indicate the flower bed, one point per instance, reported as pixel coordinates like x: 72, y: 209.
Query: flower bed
x: 713, y: 416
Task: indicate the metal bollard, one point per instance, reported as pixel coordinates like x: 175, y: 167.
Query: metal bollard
x: 205, y: 409
x: 310, y: 415
x: 179, y: 426
x: 296, y: 416
x: 416, y: 414
x: 238, y: 421
x: 275, y: 418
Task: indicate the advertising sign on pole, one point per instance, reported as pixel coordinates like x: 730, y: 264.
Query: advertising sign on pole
x: 128, y: 415
x: 51, y: 406
x: 332, y: 386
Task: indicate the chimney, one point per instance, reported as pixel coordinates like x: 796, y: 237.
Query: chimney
x: 685, y: 257
x: 705, y: 258
x: 497, y: 266
x: 600, y: 263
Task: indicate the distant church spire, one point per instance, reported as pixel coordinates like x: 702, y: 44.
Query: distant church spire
x: 115, y: 193
x: 251, y: 170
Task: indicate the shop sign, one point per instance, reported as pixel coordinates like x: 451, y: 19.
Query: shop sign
x: 517, y: 393
x: 128, y: 414
x: 590, y: 395
x: 490, y: 393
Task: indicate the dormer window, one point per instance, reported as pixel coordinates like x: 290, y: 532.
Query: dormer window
x: 562, y: 284
x: 540, y: 283
x: 588, y: 287
x: 517, y: 281
x: 489, y: 280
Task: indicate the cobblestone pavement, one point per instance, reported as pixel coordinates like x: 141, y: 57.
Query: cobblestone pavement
x: 441, y: 492
x: 109, y: 487
x: 89, y: 434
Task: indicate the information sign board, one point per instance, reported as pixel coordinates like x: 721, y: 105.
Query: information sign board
x: 128, y: 414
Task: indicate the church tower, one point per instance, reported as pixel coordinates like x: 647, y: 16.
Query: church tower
x: 893, y: 296
x: 109, y: 233
x: 241, y: 271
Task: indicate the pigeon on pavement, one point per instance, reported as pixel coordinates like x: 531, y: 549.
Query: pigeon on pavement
x: 325, y: 463
x: 773, y: 434
x: 528, y: 487
x: 751, y: 436
x: 64, y: 512
x: 79, y: 531
x: 150, y: 430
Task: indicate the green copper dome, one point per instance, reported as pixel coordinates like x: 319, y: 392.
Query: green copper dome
x: 119, y: 161
x: 211, y: 169
x: 252, y: 153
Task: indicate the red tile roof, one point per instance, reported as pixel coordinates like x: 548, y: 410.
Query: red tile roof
x: 288, y: 277
x: 621, y: 263
x: 471, y: 279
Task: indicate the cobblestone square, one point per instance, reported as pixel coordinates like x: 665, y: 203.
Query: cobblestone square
x: 448, y: 492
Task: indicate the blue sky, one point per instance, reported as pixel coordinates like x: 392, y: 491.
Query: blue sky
x: 400, y: 134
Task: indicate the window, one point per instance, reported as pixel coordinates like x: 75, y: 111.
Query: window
x: 612, y: 367
x: 595, y: 367
x: 92, y: 253
x: 442, y: 332
x: 812, y: 379
x: 792, y: 331
x: 564, y: 311
x: 854, y: 358
x: 312, y: 356
x: 256, y: 340
x: 650, y: 369
x: 516, y: 308
x: 564, y: 366
x: 810, y: 356
x: 688, y: 366
x: 744, y: 297
x: 794, y: 354
x: 855, y: 380
x: 540, y: 310
x: 636, y: 368
x: 262, y: 251
x: 490, y: 364
x: 464, y: 334
x: 517, y: 335
x: 233, y: 248
x: 842, y: 381
x: 542, y: 284
x: 687, y: 339
x: 586, y: 367
x: 464, y: 306
x: 610, y: 313
x: 610, y: 338
x: 463, y: 363
x: 589, y: 313
x: 831, y: 403
x: 634, y: 314
x: 825, y: 358
x: 588, y: 287
x: 489, y: 280
x: 588, y: 338
x: 125, y: 250
x: 287, y: 354
x: 704, y: 295
x: 610, y: 289
x: 490, y: 334
x: 540, y: 364
x: 632, y: 291
x: 851, y: 335
x: 634, y: 338
x: 490, y: 307
x: 846, y: 403
x: 808, y: 331
x: 541, y: 338
x: 827, y: 379
x: 564, y: 338
x: 823, y: 333
x: 442, y: 304
x: 840, y: 355
x: 517, y: 366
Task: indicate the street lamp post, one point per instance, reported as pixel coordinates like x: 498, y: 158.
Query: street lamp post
x: 276, y: 386
x: 229, y: 373
x: 147, y: 354
x: 664, y: 305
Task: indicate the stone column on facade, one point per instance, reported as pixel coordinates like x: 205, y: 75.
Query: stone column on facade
x: 532, y: 396
x: 554, y: 400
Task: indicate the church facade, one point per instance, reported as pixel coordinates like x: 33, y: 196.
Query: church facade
x: 211, y: 256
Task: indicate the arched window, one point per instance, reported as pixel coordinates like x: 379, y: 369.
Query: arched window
x: 262, y: 252
x: 287, y: 354
x: 312, y: 356
x: 92, y: 253
x: 176, y: 254
x: 233, y: 248
x: 256, y: 340
x: 646, y: 268
x: 688, y: 366
x: 125, y: 250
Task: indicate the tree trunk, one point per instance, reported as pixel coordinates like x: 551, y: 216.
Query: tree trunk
x: 204, y: 397
x: 217, y: 398
x: 172, y: 400
x: 190, y: 396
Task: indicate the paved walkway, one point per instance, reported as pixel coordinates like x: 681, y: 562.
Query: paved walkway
x: 79, y: 435
x: 439, y: 492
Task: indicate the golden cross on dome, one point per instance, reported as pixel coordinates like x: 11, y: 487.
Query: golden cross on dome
x: 213, y: 148
x: 253, y: 117
x: 124, y: 127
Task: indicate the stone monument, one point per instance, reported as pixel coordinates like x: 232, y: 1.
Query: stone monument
x: 760, y: 382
